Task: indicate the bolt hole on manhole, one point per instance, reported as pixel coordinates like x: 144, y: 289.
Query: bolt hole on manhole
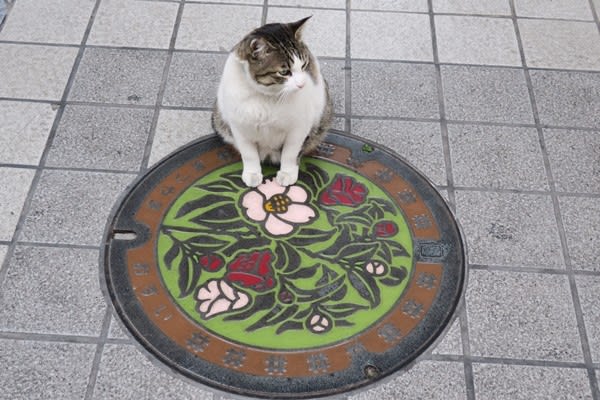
x: 371, y: 372
x: 125, y: 235
x: 314, y: 289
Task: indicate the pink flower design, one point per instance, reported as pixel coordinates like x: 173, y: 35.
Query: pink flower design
x: 278, y: 207
x: 217, y: 296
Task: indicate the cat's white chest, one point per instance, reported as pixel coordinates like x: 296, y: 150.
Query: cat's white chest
x: 267, y: 118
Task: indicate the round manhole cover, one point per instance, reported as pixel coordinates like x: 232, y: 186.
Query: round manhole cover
x: 314, y: 289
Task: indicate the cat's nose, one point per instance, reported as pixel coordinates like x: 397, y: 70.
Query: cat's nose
x: 300, y: 85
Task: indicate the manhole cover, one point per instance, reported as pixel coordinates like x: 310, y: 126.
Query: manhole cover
x: 314, y: 289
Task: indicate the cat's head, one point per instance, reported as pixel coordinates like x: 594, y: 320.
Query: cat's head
x: 278, y: 60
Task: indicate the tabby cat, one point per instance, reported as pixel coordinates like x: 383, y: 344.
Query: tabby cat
x: 272, y: 103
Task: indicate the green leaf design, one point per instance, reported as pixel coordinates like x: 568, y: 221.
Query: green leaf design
x: 303, y: 272
x: 221, y: 186
x: 189, y: 275
x: 289, y: 325
x: 172, y: 254
x: 288, y: 259
x: 360, y: 252
x: 319, y: 292
x: 398, y: 274
x: 342, y: 310
x: 396, y: 248
x: 307, y: 236
x: 219, y: 214
x: 366, y: 286
x: 276, y: 315
x: 261, y: 302
x: 212, y: 200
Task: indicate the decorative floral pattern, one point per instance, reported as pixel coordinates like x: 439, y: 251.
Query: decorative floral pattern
x: 344, y: 191
x: 278, y: 207
x: 252, y: 270
x: 315, y: 257
x: 217, y: 297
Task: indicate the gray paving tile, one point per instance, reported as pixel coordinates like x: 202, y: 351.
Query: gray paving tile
x: 339, y: 124
x: 510, y: 229
x: 39, y: 371
x: 334, y: 73
x: 523, y: 382
x: 309, y: 3
x: 522, y: 315
x: 391, y: 31
x: 451, y: 343
x: 394, y: 89
x: 72, y: 207
x: 127, y: 374
x: 574, y: 159
x: 115, y: 330
x: 426, y: 380
x: 3, y: 251
x: 498, y: 157
x: 476, y: 40
x: 176, y: 128
x: 565, y: 9
x: 35, y: 72
x: 202, y: 26
x: 486, y: 94
x: 581, y: 220
x: 15, y: 184
x: 34, y: 21
x: 588, y: 287
x: 560, y: 44
x: 420, y: 143
x: 567, y: 98
x: 100, y: 137
x: 24, y: 131
x: 134, y: 24
x: 487, y: 7
x: 390, y: 5
x: 194, y: 79
x: 324, y: 33
x: 52, y: 290
x: 123, y: 76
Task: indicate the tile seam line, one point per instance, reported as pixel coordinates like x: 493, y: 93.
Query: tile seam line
x: 93, y: 376
x: 37, y: 177
x: 595, y: 14
x: 40, y: 167
x: 585, y: 346
x: 469, y: 381
x: 348, y: 69
x: 162, y: 88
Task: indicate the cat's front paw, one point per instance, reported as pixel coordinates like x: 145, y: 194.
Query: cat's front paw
x: 286, y: 178
x: 252, y: 179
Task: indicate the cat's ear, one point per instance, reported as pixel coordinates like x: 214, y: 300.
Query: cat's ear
x: 253, y: 48
x: 259, y: 47
x: 298, y: 26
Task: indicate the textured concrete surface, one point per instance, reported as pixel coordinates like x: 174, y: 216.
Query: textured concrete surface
x: 496, y: 101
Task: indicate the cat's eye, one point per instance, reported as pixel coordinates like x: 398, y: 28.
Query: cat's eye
x: 285, y: 72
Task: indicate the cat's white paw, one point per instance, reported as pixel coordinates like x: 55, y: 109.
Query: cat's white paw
x: 252, y: 179
x: 286, y: 178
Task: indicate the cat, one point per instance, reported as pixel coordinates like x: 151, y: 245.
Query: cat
x: 272, y: 101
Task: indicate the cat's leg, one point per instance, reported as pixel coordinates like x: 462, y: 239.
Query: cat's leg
x: 251, y: 173
x: 288, y: 170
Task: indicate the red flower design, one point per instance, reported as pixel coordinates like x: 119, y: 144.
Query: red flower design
x: 345, y: 191
x: 252, y: 270
x: 385, y: 229
x: 211, y: 262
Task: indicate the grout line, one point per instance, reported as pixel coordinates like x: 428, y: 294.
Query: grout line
x: 37, y: 176
x: 49, y: 337
x: 265, y: 12
x: 595, y: 15
x: 585, y: 346
x: 91, y: 385
x: 535, y: 270
x: 348, y: 72
x: 162, y: 88
x: 58, y: 245
x: 464, y: 331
